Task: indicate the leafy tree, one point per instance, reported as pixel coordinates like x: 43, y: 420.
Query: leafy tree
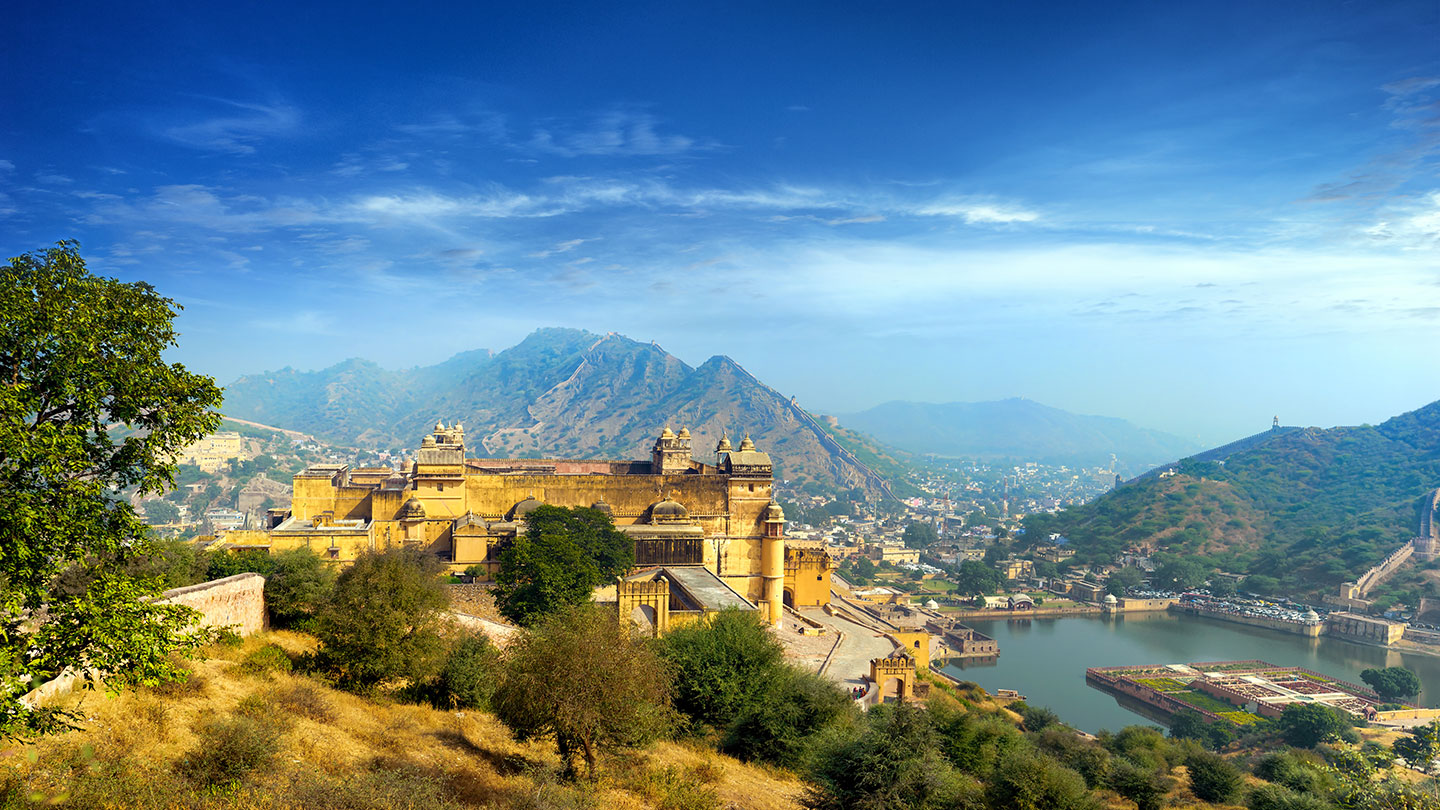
x: 1122, y: 580
x: 158, y: 512
x: 721, y: 665
x: 470, y: 674
x: 1421, y: 747
x: 299, y: 583
x: 1260, y: 583
x: 581, y: 679
x: 175, y: 562
x: 1392, y: 683
x: 1306, y: 724
x: 1222, y: 587
x: 864, y: 568
x: 559, y: 560
x: 1030, y: 781
x: 384, y: 620
x: 1144, y: 786
x: 1180, y: 575
x: 919, y: 535
x: 1212, y: 777
x: 1036, y: 718
x: 778, y: 727
x: 893, y: 763
x: 1085, y: 757
x: 974, y: 577
x: 80, y: 356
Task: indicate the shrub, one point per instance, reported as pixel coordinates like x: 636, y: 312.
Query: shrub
x: 229, y: 750
x: 894, y: 761
x: 777, y: 727
x: 470, y: 674
x: 298, y: 584
x: 305, y: 700
x: 1275, y: 797
x: 1305, y: 724
x: 1033, y: 781
x: 384, y: 620
x: 1140, y: 784
x: 269, y: 658
x: 1212, y: 778
x: 1035, y: 718
x: 1089, y: 759
x: 721, y: 666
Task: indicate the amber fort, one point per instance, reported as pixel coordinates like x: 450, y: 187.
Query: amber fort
x: 708, y: 534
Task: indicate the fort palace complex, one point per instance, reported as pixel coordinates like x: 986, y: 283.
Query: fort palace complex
x: 707, y: 536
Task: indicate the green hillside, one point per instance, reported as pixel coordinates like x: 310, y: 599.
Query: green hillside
x: 1311, y: 507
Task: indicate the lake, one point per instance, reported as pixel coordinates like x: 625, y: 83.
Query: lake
x: 1046, y: 659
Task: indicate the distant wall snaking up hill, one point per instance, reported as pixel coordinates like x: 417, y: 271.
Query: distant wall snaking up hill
x: 560, y: 392
x: 1311, y: 507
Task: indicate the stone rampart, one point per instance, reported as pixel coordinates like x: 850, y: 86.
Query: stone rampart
x: 236, y: 602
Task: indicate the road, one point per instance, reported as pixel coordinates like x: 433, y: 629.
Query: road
x: 851, y: 661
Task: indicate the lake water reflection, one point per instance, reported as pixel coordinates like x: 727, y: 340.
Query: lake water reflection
x: 1045, y: 659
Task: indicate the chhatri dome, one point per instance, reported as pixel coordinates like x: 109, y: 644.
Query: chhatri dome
x: 746, y: 444
x: 724, y: 446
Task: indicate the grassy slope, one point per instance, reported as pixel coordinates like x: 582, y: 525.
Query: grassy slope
x: 1312, y: 507
x: 349, y: 752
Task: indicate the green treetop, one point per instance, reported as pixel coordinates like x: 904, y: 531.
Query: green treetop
x: 81, y: 355
x: 558, y: 561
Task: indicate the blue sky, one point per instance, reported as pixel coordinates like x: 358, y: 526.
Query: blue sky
x: 1191, y: 215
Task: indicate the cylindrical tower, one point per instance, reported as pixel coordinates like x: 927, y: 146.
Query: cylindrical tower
x: 772, y: 563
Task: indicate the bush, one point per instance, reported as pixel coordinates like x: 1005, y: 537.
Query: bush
x: 778, y: 726
x: 1035, y: 718
x: 721, y: 666
x: 1212, y: 778
x: 1275, y: 797
x: 298, y: 584
x: 894, y: 761
x: 384, y: 620
x: 1033, y: 781
x: 269, y: 658
x: 1140, y: 784
x: 1089, y: 759
x: 229, y: 750
x: 469, y: 676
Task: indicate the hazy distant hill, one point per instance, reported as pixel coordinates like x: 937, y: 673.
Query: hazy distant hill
x: 1018, y: 429
x: 1311, y: 506
x: 560, y: 392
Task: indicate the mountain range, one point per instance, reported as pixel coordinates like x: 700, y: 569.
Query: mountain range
x: 1309, y: 507
x: 558, y: 393
x: 1018, y: 429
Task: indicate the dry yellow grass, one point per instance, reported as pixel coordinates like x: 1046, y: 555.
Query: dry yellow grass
x: 344, y: 751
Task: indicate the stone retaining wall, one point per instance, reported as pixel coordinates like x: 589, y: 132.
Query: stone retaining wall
x: 236, y: 602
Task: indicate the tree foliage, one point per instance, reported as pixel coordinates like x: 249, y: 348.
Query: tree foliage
x: 1212, y: 777
x: 919, y: 535
x: 722, y: 666
x: 1304, y: 725
x: 780, y: 725
x: 88, y: 408
x: 384, y: 620
x: 558, y: 561
x: 893, y: 763
x: 584, y: 681
x: 298, y: 585
x: 1392, y: 683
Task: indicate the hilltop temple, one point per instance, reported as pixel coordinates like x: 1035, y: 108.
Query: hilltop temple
x: 707, y: 536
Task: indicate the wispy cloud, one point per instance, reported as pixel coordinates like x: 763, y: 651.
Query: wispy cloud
x: 613, y: 133
x: 561, y: 247
x: 237, y: 130
x: 1414, y: 108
